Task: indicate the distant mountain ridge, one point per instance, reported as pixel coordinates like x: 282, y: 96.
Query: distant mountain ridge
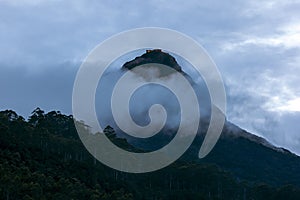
x: 235, y: 131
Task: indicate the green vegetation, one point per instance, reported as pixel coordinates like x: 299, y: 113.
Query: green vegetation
x: 43, y: 158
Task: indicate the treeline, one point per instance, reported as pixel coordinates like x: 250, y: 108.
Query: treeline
x: 43, y: 158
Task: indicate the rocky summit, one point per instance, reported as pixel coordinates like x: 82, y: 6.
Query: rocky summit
x: 153, y: 56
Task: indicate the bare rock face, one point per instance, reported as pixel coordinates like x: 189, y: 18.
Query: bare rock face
x: 153, y: 56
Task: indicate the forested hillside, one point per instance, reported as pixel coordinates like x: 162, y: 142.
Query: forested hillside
x: 43, y: 158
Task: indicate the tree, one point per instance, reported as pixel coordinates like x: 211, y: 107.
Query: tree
x: 36, y: 116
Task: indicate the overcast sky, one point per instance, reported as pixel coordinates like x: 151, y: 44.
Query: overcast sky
x: 255, y: 44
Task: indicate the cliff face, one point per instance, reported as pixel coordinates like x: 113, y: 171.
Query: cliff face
x: 153, y: 56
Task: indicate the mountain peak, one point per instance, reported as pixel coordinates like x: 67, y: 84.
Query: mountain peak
x: 153, y: 56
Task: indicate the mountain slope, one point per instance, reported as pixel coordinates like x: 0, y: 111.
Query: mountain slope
x: 252, y: 158
x: 43, y: 158
x: 244, y: 154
